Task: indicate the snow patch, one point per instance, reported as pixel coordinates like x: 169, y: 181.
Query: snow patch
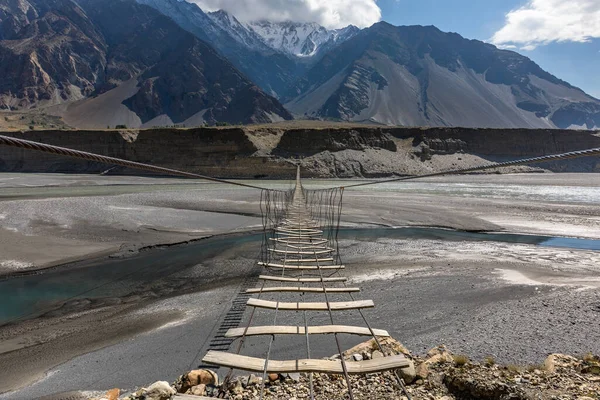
x: 299, y: 39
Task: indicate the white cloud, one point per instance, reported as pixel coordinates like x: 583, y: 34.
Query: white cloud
x: 329, y: 13
x: 529, y: 47
x: 542, y: 22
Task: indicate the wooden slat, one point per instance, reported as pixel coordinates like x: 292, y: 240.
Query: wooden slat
x: 284, y: 235
x: 316, y: 252
x: 315, y: 247
x: 302, y: 231
x: 315, y: 232
x: 307, y: 280
x: 303, y: 289
x: 310, y: 365
x: 317, y: 241
x: 305, y: 260
x: 305, y: 224
x: 299, y: 330
x: 305, y: 267
x: 335, y: 306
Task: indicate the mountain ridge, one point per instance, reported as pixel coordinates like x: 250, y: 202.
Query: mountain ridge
x: 166, y: 62
x: 421, y: 76
x: 110, y: 65
x: 300, y: 39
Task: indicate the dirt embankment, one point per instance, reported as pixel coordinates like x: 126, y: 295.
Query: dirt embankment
x: 271, y: 152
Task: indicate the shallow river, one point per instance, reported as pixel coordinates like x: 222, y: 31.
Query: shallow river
x: 31, y: 295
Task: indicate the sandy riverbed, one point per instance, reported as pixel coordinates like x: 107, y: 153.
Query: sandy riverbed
x: 514, y: 301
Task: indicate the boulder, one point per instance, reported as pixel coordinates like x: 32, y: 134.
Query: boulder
x: 422, y: 371
x: 254, y: 380
x: 556, y: 361
x: 238, y: 387
x: 439, y: 354
x: 409, y: 373
x: 273, y: 377
x: 199, y: 390
x: 376, y: 354
x: 160, y: 390
x: 441, y: 349
x: 393, y: 344
x: 113, y: 394
x: 200, y: 377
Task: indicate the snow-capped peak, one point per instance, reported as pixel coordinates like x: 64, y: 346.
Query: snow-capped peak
x: 238, y: 31
x: 299, y: 39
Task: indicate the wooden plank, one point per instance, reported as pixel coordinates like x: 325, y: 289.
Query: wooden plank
x: 316, y: 247
x: 335, y: 306
x: 310, y: 247
x: 308, y: 253
x: 302, y: 224
x: 302, y: 231
x: 307, y: 280
x: 293, y: 231
x: 305, y: 267
x: 308, y: 365
x: 296, y: 225
x: 305, y: 260
x: 306, y: 232
x: 308, y: 236
x: 182, y: 396
x: 283, y: 240
x: 303, y: 289
x: 299, y: 330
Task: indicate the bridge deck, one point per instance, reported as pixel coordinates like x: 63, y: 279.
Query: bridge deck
x: 300, y: 330
x: 308, y: 365
x: 298, y: 248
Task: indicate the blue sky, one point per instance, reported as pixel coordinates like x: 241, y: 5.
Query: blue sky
x: 575, y: 62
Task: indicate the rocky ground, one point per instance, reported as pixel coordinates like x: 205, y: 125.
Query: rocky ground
x: 13, y: 121
x: 439, y: 375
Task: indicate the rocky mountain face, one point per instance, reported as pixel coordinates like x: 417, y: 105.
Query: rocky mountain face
x: 50, y: 53
x: 274, y: 55
x: 420, y: 76
x: 304, y: 40
x: 125, y: 62
x: 271, y: 70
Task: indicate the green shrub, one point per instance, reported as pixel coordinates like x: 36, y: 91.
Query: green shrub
x: 515, y: 369
x: 490, y: 361
x: 460, y: 360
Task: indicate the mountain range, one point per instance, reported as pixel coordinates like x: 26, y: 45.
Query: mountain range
x: 101, y: 63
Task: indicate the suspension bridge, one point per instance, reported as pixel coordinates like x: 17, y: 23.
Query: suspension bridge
x: 303, y: 273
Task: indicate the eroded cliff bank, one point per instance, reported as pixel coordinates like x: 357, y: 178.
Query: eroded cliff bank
x: 271, y: 152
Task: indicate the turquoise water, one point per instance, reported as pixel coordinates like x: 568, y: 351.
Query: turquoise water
x: 31, y: 295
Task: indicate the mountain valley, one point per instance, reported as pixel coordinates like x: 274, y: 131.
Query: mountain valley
x: 155, y: 63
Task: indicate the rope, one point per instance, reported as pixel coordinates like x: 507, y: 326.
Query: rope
x: 335, y: 335
x: 63, y: 151
x: 526, y: 161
